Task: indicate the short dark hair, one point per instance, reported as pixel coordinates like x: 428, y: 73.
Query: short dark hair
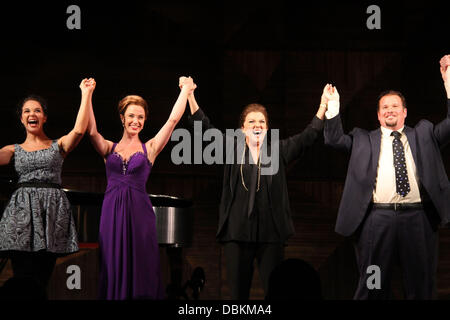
x: 391, y: 93
x: 32, y: 97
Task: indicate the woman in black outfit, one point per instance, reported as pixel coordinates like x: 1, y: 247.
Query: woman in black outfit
x: 255, y: 220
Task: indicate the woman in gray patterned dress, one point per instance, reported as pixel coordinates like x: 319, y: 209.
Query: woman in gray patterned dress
x: 37, y: 224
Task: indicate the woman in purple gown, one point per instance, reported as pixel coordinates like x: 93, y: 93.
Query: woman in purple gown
x: 129, y: 253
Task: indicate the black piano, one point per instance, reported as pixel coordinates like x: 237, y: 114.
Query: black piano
x: 173, y: 217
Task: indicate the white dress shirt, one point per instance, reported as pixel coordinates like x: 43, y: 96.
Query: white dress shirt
x: 385, y: 188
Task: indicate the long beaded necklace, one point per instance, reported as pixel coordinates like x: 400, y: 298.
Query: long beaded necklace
x: 259, y: 170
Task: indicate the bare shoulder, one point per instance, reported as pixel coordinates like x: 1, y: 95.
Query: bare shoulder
x: 60, y: 140
x: 60, y: 143
x: 105, y: 148
x: 8, y: 148
x: 109, y: 145
x: 6, y: 154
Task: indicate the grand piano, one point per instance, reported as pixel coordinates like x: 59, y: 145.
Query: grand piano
x: 173, y: 217
x: 174, y: 223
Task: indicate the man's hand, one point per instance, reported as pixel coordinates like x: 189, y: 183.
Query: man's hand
x: 324, y: 98
x: 445, y: 61
x: 330, y: 93
x: 445, y: 72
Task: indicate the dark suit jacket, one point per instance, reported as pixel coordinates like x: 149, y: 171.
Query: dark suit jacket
x: 425, y: 140
x: 289, y: 149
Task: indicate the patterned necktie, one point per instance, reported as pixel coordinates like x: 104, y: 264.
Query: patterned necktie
x: 401, y: 174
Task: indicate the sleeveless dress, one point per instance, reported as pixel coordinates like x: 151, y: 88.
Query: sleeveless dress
x: 38, y: 218
x: 129, y: 252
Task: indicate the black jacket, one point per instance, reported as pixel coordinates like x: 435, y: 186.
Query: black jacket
x: 289, y: 149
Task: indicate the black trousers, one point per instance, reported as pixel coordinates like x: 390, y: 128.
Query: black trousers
x: 407, y: 237
x: 36, y: 265
x: 240, y: 257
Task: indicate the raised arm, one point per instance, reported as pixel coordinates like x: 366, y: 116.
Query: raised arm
x: 197, y: 114
x: 442, y: 129
x: 101, y: 145
x: 193, y: 105
x: 294, y: 146
x: 68, y: 142
x: 445, y: 63
x: 333, y: 131
x: 157, y: 143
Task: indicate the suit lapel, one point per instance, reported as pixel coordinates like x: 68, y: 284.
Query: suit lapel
x: 375, y: 141
x: 411, y: 135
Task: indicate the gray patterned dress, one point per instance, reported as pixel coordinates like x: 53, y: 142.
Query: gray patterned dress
x: 38, y: 218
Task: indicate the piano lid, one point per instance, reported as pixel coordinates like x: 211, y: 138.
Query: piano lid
x: 77, y: 197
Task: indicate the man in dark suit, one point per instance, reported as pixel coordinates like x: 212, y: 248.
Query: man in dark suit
x: 396, y: 194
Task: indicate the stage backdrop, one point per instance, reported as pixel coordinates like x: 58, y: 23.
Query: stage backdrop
x: 281, y: 55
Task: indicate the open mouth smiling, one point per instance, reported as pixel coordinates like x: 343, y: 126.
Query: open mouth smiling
x: 257, y: 132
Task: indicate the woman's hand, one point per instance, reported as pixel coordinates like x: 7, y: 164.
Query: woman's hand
x: 87, y: 86
x: 187, y: 83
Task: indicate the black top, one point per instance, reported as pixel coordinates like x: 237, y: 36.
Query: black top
x: 250, y: 218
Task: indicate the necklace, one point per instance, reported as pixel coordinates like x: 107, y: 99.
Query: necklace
x: 242, y: 174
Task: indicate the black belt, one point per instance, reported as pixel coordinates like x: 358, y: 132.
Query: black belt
x: 38, y: 184
x: 398, y: 206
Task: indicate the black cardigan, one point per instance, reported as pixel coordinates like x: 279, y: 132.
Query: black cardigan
x: 290, y: 149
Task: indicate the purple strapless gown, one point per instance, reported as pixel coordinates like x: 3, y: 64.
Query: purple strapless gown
x: 129, y: 252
